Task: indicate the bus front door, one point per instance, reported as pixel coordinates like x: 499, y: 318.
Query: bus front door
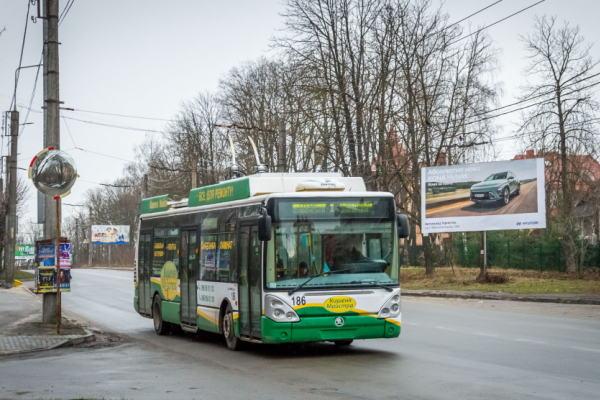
x: 144, y: 268
x: 250, y: 282
x: 189, y: 277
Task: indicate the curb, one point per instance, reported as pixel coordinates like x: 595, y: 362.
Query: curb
x: 504, y: 296
x: 88, y: 337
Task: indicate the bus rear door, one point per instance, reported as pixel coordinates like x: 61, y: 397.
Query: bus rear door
x: 144, y: 273
x: 189, y: 278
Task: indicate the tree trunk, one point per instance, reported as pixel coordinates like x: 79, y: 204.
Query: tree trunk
x: 427, y: 253
x: 567, y: 197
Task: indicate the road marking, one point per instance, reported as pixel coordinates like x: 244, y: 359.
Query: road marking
x: 410, y: 323
x: 530, y: 341
x: 585, y: 349
x: 449, y: 206
x: 485, y: 334
x: 446, y: 329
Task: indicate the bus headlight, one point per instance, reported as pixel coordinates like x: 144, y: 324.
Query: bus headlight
x: 391, y: 308
x: 277, y: 310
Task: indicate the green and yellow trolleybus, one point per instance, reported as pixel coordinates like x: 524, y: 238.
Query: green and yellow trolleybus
x: 272, y: 258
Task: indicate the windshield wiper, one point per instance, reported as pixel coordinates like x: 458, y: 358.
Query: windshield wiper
x: 389, y: 289
x: 310, y: 278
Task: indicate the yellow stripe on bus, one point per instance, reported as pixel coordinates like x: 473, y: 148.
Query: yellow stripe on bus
x: 308, y: 305
x: 155, y: 280
x: 393, y: 321
x: 208, y: 317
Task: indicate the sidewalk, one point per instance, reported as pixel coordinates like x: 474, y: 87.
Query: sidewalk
x: 539, y: 298
x: 21, y: 329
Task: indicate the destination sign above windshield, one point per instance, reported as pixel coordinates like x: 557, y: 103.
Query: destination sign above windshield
x: 335, y: 208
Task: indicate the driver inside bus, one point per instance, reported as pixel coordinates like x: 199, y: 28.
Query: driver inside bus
x: 349, y: 252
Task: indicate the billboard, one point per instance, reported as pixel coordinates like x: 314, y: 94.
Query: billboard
x: 110, y: 234
x: 25, y: 252
x: 483, y: 196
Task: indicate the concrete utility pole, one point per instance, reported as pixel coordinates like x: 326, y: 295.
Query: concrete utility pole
x: 281, y: 162
x: 145, y: 190
x: 11, y: 217
x: 51, y: 130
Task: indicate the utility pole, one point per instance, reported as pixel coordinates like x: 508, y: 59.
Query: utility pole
x: 90, y: 241
x: 11, y: 217
x: 281, y: 162
x: 51, y: 132
x: 145, y: 190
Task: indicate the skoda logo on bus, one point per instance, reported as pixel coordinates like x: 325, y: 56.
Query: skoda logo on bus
x: 339, y: 321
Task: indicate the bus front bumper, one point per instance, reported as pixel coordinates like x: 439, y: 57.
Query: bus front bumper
x: 316, y: 329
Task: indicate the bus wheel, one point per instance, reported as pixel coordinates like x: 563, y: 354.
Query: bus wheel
x: 160, y: 327
x: 343, y: 342
x: 233, y: 343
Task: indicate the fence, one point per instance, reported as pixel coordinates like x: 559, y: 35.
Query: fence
x: 521, y: 253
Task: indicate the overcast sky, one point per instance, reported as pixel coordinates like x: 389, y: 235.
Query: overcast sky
x: 145, y: 58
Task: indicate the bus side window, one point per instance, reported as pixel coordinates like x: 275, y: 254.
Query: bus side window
x: 208, y: 258
x: 159, y: 251
x: 225, y: 266
x: 172, y: 246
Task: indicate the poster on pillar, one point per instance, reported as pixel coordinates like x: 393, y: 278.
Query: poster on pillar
x: 45, y: 271
x: 488, y: 196
x: 110, y: 234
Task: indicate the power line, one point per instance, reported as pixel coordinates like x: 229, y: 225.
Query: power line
x: 115, y: 126
x: 122, y: 115
x: 18, y: 73
x: 37, y: 74
x: 524, y: 107
x: 61, y: 18
x: 68, y: 130
x: 475, y: 13
x: 497, y: 22
x: 105, y: 184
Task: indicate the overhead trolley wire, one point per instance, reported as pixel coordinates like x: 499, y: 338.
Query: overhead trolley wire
x: 497, y: 22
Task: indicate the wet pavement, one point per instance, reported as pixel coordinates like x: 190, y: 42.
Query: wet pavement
x: 448, y: 349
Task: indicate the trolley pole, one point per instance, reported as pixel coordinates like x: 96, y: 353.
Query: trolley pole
x: 11, y: 218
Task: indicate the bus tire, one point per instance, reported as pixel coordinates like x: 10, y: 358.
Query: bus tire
x: 160, y: 327
x: 340, y: 343
x: 233, y: 343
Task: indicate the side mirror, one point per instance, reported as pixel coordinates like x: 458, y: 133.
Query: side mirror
x: 403, y: 226
x: 264, y: 226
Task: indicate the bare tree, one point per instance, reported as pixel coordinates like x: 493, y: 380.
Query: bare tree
x: 563, y: 117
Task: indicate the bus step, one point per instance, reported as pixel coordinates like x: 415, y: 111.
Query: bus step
x: 189, y: 327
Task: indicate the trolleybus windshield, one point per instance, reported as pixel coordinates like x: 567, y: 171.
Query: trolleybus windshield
x: 356, y: 235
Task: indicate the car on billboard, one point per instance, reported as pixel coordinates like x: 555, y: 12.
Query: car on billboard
x: 498, y: 187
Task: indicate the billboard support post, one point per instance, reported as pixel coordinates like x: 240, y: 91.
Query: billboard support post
x: 485, y: 249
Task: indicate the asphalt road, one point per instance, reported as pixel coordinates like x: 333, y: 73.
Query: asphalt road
x: 525, y: 202
x: 447, y: 350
